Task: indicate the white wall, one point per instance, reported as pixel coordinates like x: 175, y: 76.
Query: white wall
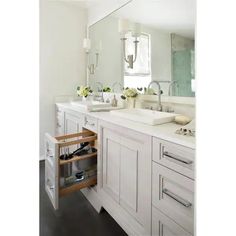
x: 62, y: 58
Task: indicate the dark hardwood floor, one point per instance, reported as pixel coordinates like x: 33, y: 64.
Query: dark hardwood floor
x: 75, y: 217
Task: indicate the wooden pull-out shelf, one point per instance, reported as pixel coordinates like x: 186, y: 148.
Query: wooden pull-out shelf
x: 78, y: 158
x: 77, y: 186
x: 86, y: 136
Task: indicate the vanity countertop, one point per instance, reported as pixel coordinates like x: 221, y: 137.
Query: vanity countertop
x: 164, y: 131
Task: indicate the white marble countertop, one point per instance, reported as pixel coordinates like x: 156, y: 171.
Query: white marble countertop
x: 164, y: 131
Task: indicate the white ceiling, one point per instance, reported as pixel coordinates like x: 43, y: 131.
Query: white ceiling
x: 81, y: 3
x: 173, y: 16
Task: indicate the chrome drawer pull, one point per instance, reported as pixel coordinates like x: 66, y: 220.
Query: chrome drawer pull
x: 178, y: 158
x: 177, y: 198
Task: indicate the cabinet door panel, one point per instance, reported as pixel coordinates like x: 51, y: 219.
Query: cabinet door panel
x: 111, y: 163
x: 129, y: 179
x: 126, y: 167
x: 135, y: 176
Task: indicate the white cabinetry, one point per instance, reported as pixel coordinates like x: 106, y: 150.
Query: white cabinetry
x: 164, y: 226
x: 173, y: 194
x: 126, y: 171
x: 73, y: 123
x: 145, y: 183
x: 172, y: 189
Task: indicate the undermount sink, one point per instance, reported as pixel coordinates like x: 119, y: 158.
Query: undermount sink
x: 94, y: 105
x: 145, y: 116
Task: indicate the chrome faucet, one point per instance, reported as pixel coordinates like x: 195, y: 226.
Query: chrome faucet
x: 159, y: 108
x: 170, y: 85
x: 101, y: 85
x: 116, y: 83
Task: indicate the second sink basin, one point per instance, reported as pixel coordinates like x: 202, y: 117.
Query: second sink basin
x: 145, y: 116
x: 90, y: 105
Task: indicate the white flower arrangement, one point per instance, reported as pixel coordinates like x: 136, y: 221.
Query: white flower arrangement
x: 129, y: 93
x: 84, y: 91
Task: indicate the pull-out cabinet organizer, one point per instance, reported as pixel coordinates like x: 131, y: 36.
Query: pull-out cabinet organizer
x: 56, y: 146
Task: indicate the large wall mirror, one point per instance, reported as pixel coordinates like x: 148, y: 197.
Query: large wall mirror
x: 145, y: 41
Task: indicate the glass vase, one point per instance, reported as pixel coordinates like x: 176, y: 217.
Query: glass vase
x: 131, y: 103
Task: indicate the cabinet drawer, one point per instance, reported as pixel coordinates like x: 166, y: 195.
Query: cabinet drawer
x: 174, y: 156
x: 90, y: 123
x: 173, y: 194
x: 164, y: 226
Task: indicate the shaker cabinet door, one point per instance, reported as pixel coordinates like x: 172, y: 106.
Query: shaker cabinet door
x: 135, y: 177
x: 111, y: 163
x: 126, y: 164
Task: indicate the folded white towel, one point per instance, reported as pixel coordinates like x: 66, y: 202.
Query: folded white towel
x: 188, y: 129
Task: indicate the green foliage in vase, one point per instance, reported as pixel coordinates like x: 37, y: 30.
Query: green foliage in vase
x: 107, y: 89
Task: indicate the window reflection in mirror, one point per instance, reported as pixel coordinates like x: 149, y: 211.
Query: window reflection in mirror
x: 140, y: 75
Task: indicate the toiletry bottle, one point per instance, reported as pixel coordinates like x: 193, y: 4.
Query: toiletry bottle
x: 114, y: 102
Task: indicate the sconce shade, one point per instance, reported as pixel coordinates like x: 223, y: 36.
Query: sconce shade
x: 87, y: 44
x: 123, y: 26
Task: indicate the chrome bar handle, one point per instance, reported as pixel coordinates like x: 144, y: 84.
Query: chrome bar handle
x: 177, y: 158
x: 177, y: 198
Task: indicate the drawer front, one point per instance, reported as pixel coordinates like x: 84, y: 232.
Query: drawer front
x: 174, y: 156
x: 173, y: 194
x: 164, y: 226
x: 90, y: 123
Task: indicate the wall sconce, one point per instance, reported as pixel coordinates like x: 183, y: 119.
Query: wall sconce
x: 87, y: 46
x: 124, y: 28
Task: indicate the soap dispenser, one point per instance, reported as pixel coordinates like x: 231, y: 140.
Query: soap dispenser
x: 114, y: 102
